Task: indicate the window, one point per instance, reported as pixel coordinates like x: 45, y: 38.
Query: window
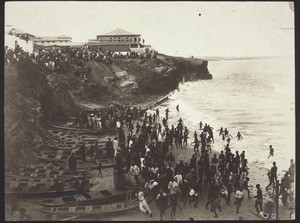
x: 48, y: 41
x: 134, y: 38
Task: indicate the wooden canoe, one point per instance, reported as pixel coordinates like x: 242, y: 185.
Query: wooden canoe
x: 89, y: 198
x: 84, y: 130
x: 45, y: 174
x: 44, y: 169
x: 62, y: 160
x: 39, y: 187
x: 71, y: 212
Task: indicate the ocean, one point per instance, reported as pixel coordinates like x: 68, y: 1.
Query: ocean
x: 252, y: 96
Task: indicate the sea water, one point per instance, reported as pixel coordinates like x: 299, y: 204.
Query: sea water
x: 252, y: 96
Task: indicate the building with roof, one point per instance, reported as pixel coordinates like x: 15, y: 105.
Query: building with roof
x: 120, y: 40
x: 18, y: 33
x: 16, y: 37
x: 51, y: 40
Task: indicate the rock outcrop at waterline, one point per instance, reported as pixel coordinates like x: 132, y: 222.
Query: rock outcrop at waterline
x: 35, y: 97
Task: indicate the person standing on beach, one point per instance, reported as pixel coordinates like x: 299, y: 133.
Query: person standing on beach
x: 115, y: 145
x: 99, y: 167
x: 246, y: 186
x: 109, y: 149
x: 272, y: 175
x: 83, y: 151
x: 200, y: 125
x: 174, y: 189
x: 216, y: 201
x: 144, y: 207
x: 72, y: 162
x: 221, y: 131
x: 239, y: 196
x: 259, y: 199
x: 162, y: 202
x: 291, y: 170
x: 167, y: 113
x: 271, y: 151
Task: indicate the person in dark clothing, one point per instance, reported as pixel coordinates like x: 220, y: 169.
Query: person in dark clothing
x: 72, y: 163
x: 193, y: 197
x: 162, y: 202
x: 92, y: 151
x: 210, y: 198
x: 242, y: 156
x: 83, y: 151
x: 216, y: 201
x: 272, y: 175
x: 271, y: 151
x: 184, y: 191
x: 239, y: 136
x: 245, y: 186
x: 110, y: 149
x: 99, y: 168
x: 85, y: 184
x: 259, y: 199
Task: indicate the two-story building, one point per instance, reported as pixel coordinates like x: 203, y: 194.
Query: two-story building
x: 120, y: 40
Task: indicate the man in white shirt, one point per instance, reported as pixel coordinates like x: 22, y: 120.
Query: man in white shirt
x: 144, y: 207
x: 115, y: 144
x: 178, y: 179
x: 135, y: 171
x: 118, y: 124
x: 174, y: 189
x: 239, y: 196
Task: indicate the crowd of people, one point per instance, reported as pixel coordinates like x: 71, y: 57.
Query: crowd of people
x: 111, y: 117
x: 60, y: 58
x: 149, y: 158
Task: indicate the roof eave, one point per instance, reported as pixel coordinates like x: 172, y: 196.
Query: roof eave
x: 119, y: 35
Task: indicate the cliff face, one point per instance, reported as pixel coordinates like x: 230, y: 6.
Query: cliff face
x: 34, y: 96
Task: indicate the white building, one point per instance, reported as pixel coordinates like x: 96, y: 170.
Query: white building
x: 120, y: 40
x: 51, y: 40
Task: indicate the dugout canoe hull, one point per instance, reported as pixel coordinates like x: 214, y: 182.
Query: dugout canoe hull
x: 89, y: 198
x: 72, y: 212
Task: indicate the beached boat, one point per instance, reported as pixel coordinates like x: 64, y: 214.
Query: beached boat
x: 69, y: 144
x: 89, y: 198
x: 23, y: 186
x: 62, y: 160
x: 71, y: 212
x: 74, y: 129
x: 44, y: 168
x: 44, y: 174
x: 67, y: 128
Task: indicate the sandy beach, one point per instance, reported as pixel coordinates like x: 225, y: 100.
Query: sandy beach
x: 256, y: 174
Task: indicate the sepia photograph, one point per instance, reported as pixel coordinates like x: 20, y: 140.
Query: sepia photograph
x: 149, y: 111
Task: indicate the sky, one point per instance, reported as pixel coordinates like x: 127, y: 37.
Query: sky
x: 232, y: 29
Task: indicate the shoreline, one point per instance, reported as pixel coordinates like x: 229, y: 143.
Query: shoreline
x: 255, y: 176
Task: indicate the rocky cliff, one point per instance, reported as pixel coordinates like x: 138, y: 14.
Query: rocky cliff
x: 35, y: 97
